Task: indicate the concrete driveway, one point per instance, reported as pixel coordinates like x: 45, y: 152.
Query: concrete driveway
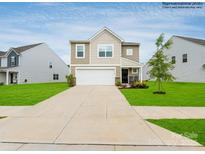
x: 85, y: 115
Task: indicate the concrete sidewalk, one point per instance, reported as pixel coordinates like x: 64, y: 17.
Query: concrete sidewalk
x: 86, y: 115
x: 67, y: 147
x: 11, y: 110
x: 151, y: 112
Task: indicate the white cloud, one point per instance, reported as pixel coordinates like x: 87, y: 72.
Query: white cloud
x: 56, y: 25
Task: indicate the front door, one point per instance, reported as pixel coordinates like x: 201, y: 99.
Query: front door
x: 124, y: 75
x: 12, y: 77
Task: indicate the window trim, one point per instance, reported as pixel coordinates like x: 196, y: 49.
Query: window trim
x: 130, y: 50
x: 76, y: 52
x: 100, y: 45
x: 183, y: 58
x: 134, y: 72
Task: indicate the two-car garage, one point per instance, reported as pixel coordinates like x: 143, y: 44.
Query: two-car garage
x: 95, y: 75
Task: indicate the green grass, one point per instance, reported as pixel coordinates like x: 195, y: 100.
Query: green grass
x: 191, y: 128
x: 178, y: 94
x: 29, y: 94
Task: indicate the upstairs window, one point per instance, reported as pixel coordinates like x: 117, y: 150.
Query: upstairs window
x: 80, y: 50
x: 13, y: 61
x: 55, y: 76
x: 105, y: 51
x: 129, y: 52
x: 50, y: 65
x: 184, y: 58
x: 173, y: 60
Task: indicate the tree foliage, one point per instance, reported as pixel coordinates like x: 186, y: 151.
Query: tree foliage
x: 160, y: 64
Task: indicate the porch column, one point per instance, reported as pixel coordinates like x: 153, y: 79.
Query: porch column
x: 141, y: 74
x: 7, y: 77
x: 18, y: 77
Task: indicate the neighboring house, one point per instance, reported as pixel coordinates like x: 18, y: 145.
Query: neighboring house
x: 34, y: 63
x: 145, y: 70
x: 188, y: 56
x: 105, y: 58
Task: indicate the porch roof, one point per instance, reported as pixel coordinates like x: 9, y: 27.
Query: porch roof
x: 9, y: 69
x: 130, y: 63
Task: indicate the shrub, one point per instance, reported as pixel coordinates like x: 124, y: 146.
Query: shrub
x: 137, y: 84
x: 1, y: 83
x: 70, y: 80
x: 118, y: 83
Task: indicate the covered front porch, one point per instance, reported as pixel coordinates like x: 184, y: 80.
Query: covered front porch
x: 131, y: 71
x: 9, y: 77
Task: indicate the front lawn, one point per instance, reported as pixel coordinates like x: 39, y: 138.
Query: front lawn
x: 29, y: 94
x: 178, y: 94
x: 191, y: 128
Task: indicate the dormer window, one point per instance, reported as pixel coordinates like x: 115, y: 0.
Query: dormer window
x: 13, y: 61
x: 80, y: 50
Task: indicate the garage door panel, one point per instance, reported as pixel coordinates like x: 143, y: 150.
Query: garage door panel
x: 95, y: 76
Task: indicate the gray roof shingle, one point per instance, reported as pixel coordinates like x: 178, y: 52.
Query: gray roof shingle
x: 194, y: 40
x: 24, y: 48
x: 130, y: 43
x: 2, y: 53
x: 79, y: 41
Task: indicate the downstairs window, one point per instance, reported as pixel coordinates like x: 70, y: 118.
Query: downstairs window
x: 55, y: 76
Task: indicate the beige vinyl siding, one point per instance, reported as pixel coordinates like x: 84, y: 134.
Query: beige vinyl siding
x: 2, y: 77
x: 135, y: 56
x: 75, y: 60
x: 118, y: 71
x: 72, y: 69
x: 130, y: 71
x: 105, y: 38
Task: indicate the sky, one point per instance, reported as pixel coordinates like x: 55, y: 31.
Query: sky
x: 57, y: 23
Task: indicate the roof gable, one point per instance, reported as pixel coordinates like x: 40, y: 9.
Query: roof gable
x: 11, y: 50
x: 108, y: 30
x: 194, y: 40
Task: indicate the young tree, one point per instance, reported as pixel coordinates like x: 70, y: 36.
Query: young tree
x: 160, y: 66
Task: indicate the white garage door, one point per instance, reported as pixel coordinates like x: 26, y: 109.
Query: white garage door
x: 95, y: 76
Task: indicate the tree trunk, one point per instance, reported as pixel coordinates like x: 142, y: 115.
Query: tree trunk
x: 159, y: 85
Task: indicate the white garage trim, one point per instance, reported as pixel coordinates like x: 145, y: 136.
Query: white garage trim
x: 95, y: 68
x: 95, y: 65
x: 95, y: 75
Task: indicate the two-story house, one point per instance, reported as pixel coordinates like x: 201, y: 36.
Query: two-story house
x: 188, y: 56
x: 105, y: 58
x: 34, y: 63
